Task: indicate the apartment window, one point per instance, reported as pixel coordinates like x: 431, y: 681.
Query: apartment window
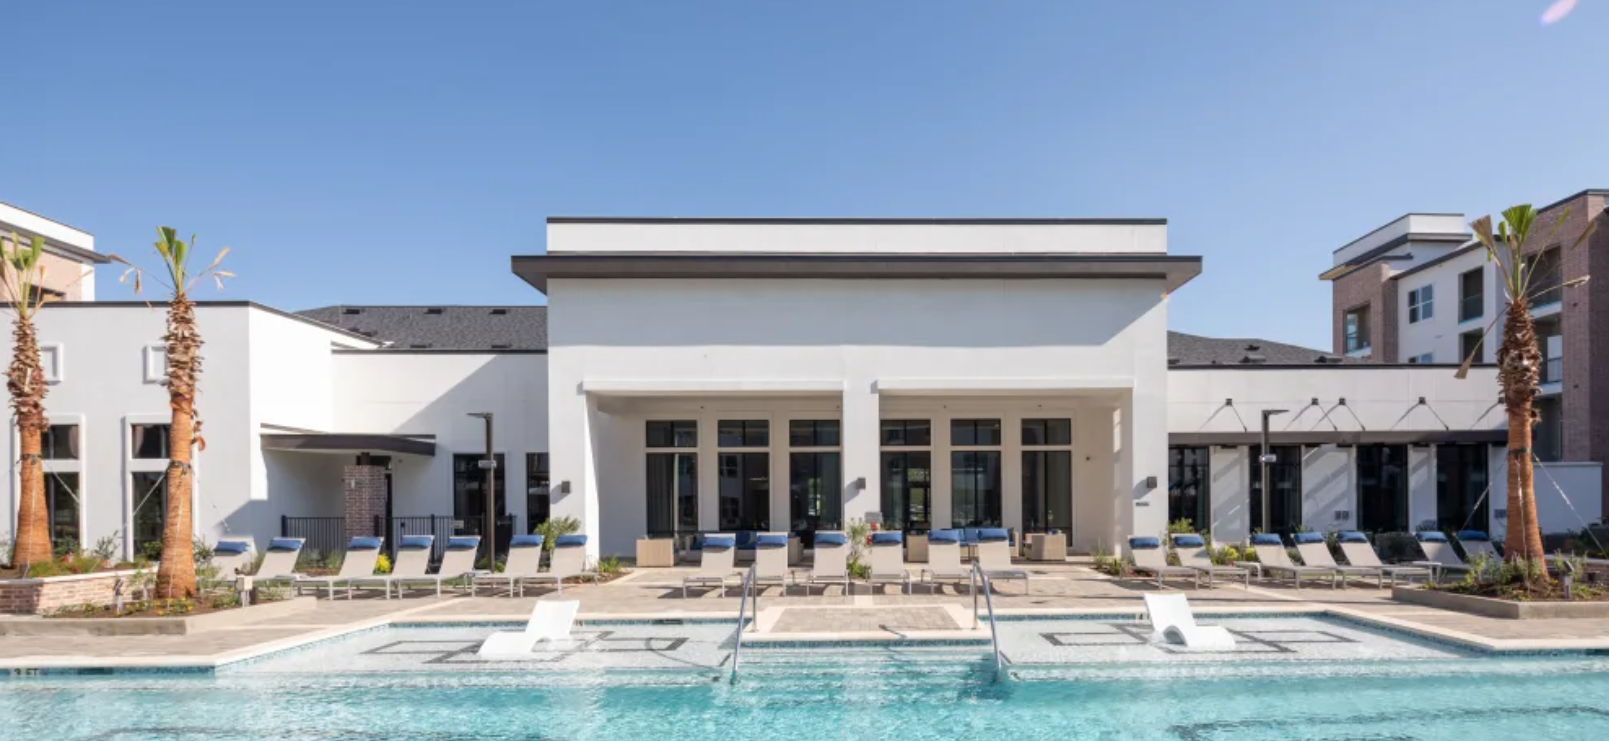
x: 1549, y: 435
x: 1189, y: 486
x: 469, y: 498
x: 673, y: 434
x: 743, y: 433
x: 975, y: 474
x: 1357, y: 329
x: 1428, y: 357
x: 813, y: 433
x: 60, y: 443
x: 974, y: 432
x: 50, y: 362
x: 156, y: 363
x: 150, y: 510
x: 1461, y: 488
x: 1047, y: 432
x: 672, y: 495
x: 1469, y: 344
x: 1047, y: 475
x: 150, y: 442
x: 538, y: 504
x: 1285, y: 493
x: 1472, y: 295
x: 907, y: 489
x: 907, y: 433
x: 815, y: 493
x: 1546, y: 275
x: 1382, y: 488
x: 61, y: 504
x: 745, y: 491
x: 1421, y: 304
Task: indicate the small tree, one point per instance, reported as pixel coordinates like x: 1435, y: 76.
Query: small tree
x: 176, y: 572
x: 1519, y: 361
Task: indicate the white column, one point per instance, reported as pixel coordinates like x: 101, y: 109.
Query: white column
x: 1011, y: 470
x: 781, y: 515
x: 709, y: 471
x: 861, y: 431
x: 1143, y: 508
x: 1421, y: 486
x: 571, y: 421
x: 942, y: 515
x: 1093, y: 507
x: 1329, y: 487
x: 1229, y: 490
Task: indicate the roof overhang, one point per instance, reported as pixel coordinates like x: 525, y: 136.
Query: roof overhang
x: 350, y: 442
x: 1173, y: 270
x: 1343, y: 437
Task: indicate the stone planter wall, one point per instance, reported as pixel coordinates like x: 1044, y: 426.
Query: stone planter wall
x: 1501, y: 608
x: 42, y: 596
x: 138, y: 626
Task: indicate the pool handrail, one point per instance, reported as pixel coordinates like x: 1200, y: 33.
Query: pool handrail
x: 979, y: 577
x: 742, y: 606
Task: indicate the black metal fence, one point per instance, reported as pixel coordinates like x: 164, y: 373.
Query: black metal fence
x: 440, y: 526
x: 324, y: 534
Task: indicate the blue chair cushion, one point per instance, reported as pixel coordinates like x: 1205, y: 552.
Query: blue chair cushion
x: 944, y: 536
x: 993, y: 535
x: 1053, y: 531
x: 1262, y: 539
x: 1145, y: 544
x: 231, y: 547
x: 1308, y: 537
x: 969, y: 535
x: 471, y: 542
x: 1188, y: 541
x: 717, y: 543
x: 1431, y: 536
x: 524, y: 541
x: 415, y: 542
x: 1474, y: 536
x: 285, y: 544
x: 887, y: 538
x: 570, y: 541
x: 831, y: 539
x: 1352, y: 536
x: 771, y: 541
x: 745, y: 539
x: 364, y: 544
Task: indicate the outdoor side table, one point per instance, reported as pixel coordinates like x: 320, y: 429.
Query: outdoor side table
x: 656, y: 552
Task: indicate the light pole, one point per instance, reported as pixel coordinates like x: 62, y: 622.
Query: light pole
x: 1267, y: 458
x: 489, y: 465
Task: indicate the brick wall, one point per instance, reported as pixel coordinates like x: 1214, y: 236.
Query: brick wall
x: 42, y: 596
x: 1577, y: 318
x: 61, y: 274
x: 365, y: 490
x: 1367, y: 286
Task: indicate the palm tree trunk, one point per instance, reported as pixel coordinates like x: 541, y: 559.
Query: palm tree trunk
x: 25, y: 382
x: 176, y: 574
x: 1519, y: 365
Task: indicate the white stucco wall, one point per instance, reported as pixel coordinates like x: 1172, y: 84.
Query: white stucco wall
x: 862, y: 238
x: 1439, y: 335
x: 1408, y: 224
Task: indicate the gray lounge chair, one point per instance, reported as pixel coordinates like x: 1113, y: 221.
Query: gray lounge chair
x: 1194, y: 553
x: 1358, y: 551
x: 524, y: 559
x: 888, y: 560
x: 569, y: 561
x: 830, y: 564
x: 1477, y: 543
x: 1439, y: 554
x: 994, y: 555
x: 1272, y: 559
x: 716, y: 563
x: 1316, y: 552
x: 944, y: 560
x: 1151, y: 558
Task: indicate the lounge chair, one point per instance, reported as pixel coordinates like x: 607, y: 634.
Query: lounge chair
x: 1477, y: 543
x: 1173, y: 622
x: 1439, y: 554
x: 232, y: 558
x: 551, y: 620
x: 361, y: 555
x: 771, y: 560
x: 413, y: 558
x: 457, y: 564
x: 1316, y: 552
x: 568, y: 561
x: 1359, y: 553
x: 279, y: 562
x: 717, y: 554
x: 994, y: 555
x: 830, y: 564
x: 1194, y: 553
x: 1272, y: 559
x: 524, y: 559
x: 1151, y: 558
x: 944, y: 560
x: 888, y: 560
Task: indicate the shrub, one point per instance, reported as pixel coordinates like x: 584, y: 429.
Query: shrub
x: 382, y: 564
x: 551, y: 529
x: 106, y: 549
x: 151, y: 552
x: 611, y: 566
x: 201, y: 550
x: 65, y: 547
x: 858, y: 532
x: 225, y: 600
x: 1181, y: 526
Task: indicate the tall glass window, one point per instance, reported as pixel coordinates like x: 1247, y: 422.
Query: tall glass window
x: 538, y: 506
x: 1047, y: 475
x: 1190, y: 486
x: 1383, y: 488
x: 150, y: 509
x: 1284, y: 496
x: 469, y: 498
x: 745, y: 491
x: 975, y: 474
x: 60, y: 443
x: 672, y: 495
x: 815, y: 478
x: 61, y: 503
x: 1461, y: 482
x: 150, y: 441
x: 907, y: 490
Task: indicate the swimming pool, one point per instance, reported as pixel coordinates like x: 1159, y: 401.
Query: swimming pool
x: 667, y: 681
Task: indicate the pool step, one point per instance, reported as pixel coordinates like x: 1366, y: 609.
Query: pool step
x: 826, y: 673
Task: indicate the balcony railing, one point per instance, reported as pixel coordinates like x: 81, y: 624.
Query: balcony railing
x: 1548, y: 291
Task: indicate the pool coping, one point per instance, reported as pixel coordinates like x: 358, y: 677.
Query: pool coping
x: 47, y: 665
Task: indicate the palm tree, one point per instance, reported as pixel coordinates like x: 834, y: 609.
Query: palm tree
x: 1519, y: 362
x: 21, y: 275
x: 176, y: 573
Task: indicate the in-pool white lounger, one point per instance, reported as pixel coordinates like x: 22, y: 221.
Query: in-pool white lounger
x: 551, y: 620
x: 1173, y: 622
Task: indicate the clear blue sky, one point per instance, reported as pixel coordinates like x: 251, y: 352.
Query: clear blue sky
x: 368, y: 152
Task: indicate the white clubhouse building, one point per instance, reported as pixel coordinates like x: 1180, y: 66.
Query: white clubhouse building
x: 699, y: 375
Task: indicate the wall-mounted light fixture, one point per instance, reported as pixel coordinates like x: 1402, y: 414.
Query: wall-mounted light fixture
x: 562, y: 488
x: 1150, y: 483
x: 858, y: 484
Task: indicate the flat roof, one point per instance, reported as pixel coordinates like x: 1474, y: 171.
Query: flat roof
x: 349, y: 442
x: 1343, y: 437
x: 833, y: 220
x: 1174, y: 270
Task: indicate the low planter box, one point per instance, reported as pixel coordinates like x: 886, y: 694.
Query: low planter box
x: 144, y: 626
x: 1500, y: 608
x: 43, y: 596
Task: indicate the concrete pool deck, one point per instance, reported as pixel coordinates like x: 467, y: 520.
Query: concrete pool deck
x: 881, y: 614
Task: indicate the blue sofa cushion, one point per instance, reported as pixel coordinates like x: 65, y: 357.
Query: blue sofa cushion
x: 1145, y: 544
x: 993, y: 535
x: 1352, y: 536
x: 526, y: 541
x: 471, y: 542
x: 415, y: 542
x: 712, y: 542
x: 1187, y: 540
x: 285, y: 544
x: 231, y: 547
x: 1431, y: 536
x: 570, y: 541
x: 1474, y: 536
x: 944, y: 536
x: 364, y: 544
x: 771, y: 540
x: 831, y: 539
x: 887, y: 538
x: 1308, y: 537
x: 1264, y: 539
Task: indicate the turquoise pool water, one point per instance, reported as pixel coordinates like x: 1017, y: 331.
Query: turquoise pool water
x: 404, y: 684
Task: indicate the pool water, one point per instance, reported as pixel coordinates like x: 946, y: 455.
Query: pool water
x: 424, y: 684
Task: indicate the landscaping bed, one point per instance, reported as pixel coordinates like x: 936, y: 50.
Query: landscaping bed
x: 1510, y: 609
x: 149, y: 622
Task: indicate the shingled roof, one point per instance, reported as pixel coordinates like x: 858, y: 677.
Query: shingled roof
x: 1193, y: 350
x: 489, y: 328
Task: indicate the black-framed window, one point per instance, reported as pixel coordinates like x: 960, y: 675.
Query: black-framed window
x: 1190, y: 486
x: 1047, y: 432
x: 538, y: 502
x: 745, y: 491
x: 672, y: 495
x: 975, y: 488
x: 61, y: 505
x: 469, y: 498
x: 743, y: 433
x: 1471, y: 294
x: 1356, y: 329
x: 672, y: 434
x: 1461, y: 482
x: 815, y: 492
x: 1547, y: 277
x: 907, y: 490
x: 1284, y: 496
x: 1047, y: 490
x: 59, y: 443
x: 814, y: 433
x: 150, y: 442
x: 1421, y: 304
x: 974, y: 432
x: 1422, y: 358
x: 907, y: 433
x: 150, y: 492
x: 1469, y: 343
x: 1548, y: 440
x: 1383, y: 488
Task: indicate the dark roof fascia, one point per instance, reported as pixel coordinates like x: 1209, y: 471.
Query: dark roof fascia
x: 1371, y: 232
x: 1432, y: 263
x: 1331, y: 366
x: 838, y: 221
x: 215, y: 304
x: 1343, y: 437
x: 1176, y: 270
x: 1378, y: 253
x: 1574, y: 196
x: 62, y: 249
x: 442, y: 351
x: 349, y: 442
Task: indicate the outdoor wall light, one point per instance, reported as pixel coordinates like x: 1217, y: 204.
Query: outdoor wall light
x: 1150, y: 483
x: 859, y: 484
x: 562, y: 488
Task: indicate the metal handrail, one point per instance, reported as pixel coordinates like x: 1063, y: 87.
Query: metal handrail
x: 979, y: 577
x: 742, y: 606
